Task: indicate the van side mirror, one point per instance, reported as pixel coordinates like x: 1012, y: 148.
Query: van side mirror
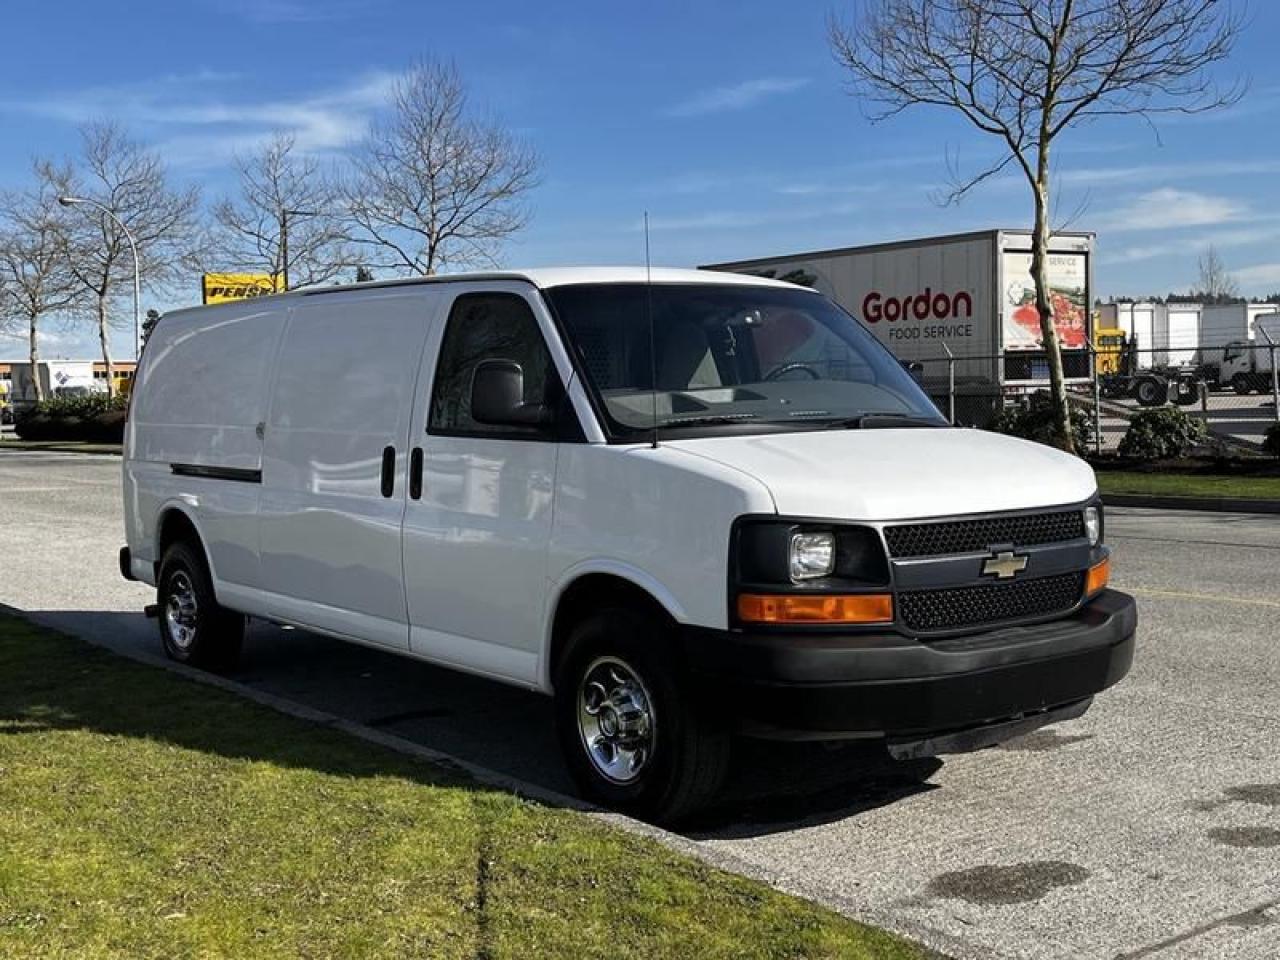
x: 914, y: 367
x: 497, y: 397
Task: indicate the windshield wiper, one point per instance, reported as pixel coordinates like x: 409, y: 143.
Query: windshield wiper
x: 708, y: 420
x: 872, y: 419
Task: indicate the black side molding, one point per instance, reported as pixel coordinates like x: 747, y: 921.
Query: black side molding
x: 237, y: 474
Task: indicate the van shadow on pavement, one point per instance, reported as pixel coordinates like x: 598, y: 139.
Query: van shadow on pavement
x: 772, y: 787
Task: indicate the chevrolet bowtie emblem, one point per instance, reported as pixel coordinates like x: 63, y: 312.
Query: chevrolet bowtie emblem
x: 1004, y: 566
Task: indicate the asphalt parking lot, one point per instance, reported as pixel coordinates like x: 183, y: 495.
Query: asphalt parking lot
x: 1148, y: 828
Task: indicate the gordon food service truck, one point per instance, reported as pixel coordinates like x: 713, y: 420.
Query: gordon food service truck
x: 969, y: 293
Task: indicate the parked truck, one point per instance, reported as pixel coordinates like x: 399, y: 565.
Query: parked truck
x: 968, y: 295
x: 1249, y: 365
x: 1153, y: 353
x: 57, y: 378
x: 1121, y: 373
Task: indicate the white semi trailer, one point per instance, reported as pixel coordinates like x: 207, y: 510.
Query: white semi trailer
x: 967, y: 294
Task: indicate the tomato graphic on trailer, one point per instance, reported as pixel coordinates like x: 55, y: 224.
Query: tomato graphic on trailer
x: 1067, y: 294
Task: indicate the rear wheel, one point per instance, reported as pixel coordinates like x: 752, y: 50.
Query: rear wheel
x: 194, y: 628
x: 633, y: 733
x: 1149, y: 392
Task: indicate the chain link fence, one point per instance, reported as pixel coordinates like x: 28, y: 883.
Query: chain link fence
x: 1233, y: 388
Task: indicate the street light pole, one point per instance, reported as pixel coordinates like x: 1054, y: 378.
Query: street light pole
x: 137, y: 268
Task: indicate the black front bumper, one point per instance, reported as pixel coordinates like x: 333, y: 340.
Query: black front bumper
x: 807, y: 685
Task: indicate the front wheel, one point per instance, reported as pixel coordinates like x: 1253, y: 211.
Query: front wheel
x: 1240, y: 384
x: 634, y: 736
x: 194, y: 628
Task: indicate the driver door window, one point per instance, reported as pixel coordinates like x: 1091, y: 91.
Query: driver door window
x: 488, y: 326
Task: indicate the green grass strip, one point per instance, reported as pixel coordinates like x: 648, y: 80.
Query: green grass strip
x: 1188, y: 485
x: 143, y: 815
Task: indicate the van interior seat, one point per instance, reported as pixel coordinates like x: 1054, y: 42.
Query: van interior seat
x: 687, y: 362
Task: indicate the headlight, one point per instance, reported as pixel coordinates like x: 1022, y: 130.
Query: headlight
x: 813, y: 555
x: 1093, y: 525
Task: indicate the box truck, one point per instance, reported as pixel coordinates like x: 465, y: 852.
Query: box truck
x: 683, y: 504
x: 57, y: 378
x: 1250, y: 365
x: 970, y: 294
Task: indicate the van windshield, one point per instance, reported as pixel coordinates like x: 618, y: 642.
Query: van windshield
x: 731, y: 358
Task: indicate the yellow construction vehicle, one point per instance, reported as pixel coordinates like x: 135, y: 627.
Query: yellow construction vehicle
x: 1109, y: 344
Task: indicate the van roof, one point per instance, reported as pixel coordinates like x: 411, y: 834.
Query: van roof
x: 546, y: 277
x: 541, y: 277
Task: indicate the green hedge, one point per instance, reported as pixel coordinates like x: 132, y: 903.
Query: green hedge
x: 96, y: 418
x: 1163, y: 433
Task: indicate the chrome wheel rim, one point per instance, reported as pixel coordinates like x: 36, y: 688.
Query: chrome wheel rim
x: 181, y: 611
x: 615, y: 720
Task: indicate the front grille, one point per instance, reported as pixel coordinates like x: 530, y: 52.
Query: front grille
x: 973, y: 536
x: 933, y: 610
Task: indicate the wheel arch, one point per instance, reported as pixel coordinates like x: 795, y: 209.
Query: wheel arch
x: 176, y: 521
x: 587, y: 589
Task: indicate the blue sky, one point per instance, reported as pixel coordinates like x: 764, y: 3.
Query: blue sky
x: 728, y: 122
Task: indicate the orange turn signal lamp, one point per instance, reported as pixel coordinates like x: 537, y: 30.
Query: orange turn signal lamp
x: 1099, y: 576
x: 815, y: 608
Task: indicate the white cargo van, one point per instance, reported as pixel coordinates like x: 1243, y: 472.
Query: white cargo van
x: 687, y: 506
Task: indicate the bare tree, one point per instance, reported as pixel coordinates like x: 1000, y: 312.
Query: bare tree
x: 286, y: 220
x: 130, y: 180
x: 1217, y: 285
x: 434, y: 185
x: 35, y: 277
x: 1026, y: 71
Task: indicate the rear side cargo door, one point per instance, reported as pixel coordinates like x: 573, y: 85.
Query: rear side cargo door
x: 333, y: 491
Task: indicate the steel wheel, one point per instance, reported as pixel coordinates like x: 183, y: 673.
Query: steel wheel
x: 182, y: 612
x: 615, y: 720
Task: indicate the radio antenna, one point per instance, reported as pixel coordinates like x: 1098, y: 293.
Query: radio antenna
x: 653, y: 353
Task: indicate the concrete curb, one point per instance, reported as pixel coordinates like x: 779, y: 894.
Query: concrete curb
x: 1210, y: 504
x: 938, y: 945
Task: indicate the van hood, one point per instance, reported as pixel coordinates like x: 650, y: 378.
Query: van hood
x: 900, y: 474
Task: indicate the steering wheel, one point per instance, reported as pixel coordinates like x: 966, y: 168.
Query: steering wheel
x: 786, y: 368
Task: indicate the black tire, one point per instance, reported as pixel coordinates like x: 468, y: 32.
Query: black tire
x: 1150, y: 392
x: 1240, y: 384
x: 1191, y: 396
x: 685, y: 755
x: 184, y: 590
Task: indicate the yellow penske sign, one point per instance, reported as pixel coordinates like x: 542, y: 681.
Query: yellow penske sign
x: 221, y: 287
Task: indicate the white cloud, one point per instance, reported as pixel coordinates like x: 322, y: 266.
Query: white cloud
x: 1168, y: 208
x: 738, y: 96
x: 1147, y: 173
x: 293, y: 11
x: 197, y: 121
x: 1183, y: 245
x: 1259, y: 275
